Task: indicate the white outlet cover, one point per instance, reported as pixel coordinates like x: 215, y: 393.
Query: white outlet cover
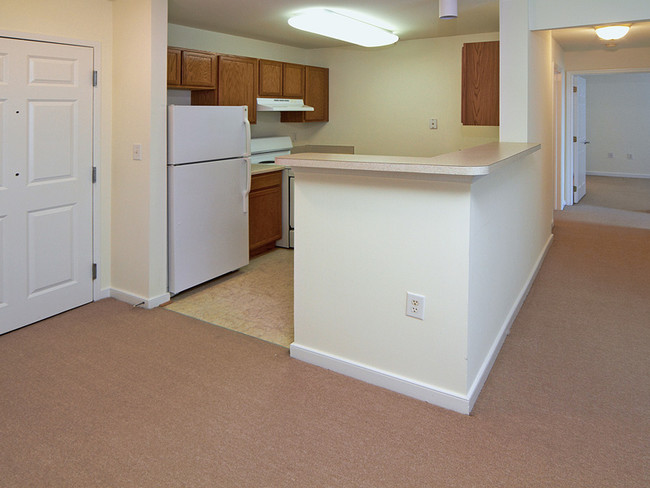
x: 415, y: 305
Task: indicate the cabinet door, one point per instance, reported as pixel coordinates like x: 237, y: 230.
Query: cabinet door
x: 238, y: 83
x: 293, y: 80
x: 480, y: 84
x: 270, y: 78
x: 199, y: 69
x: 264, y: 212
x: 173, y: 66
x: 317, y: 93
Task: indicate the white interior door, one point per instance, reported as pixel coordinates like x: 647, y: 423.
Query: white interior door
x: 46, y: 105
x: 579, y: 138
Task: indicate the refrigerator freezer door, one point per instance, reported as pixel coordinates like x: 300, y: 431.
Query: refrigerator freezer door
x: 206, y: 133
x: 208, y: 225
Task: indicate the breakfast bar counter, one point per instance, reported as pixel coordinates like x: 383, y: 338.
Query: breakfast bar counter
x: 466, y: 231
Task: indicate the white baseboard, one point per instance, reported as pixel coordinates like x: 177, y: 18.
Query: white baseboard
x: 617, y: 175
x: 491, y: 357
x: 147, y: 303
x: 421, y: 391
x: 384, y: 379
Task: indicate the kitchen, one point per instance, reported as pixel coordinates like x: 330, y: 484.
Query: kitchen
x: 443, y: 66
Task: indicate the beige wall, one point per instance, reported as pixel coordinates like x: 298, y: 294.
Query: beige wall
x: 78, y: 20
x: 621, y: 59
x: 138, y: 231
x: 555, y: 14
x: 380, y: 99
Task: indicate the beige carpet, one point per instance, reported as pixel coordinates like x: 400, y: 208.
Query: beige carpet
x: 109, y: 395
x: 621, y: 193
x: 257, y: 300
x: 623, y: 202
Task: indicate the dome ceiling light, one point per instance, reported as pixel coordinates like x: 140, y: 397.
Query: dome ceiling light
x: 612, y: 32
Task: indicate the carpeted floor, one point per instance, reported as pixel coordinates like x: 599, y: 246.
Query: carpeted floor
x: 111, y: 395
x: 631, y: 194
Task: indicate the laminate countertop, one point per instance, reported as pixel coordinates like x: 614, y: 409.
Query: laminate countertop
x: 265, y: 168
x: 474, y: 161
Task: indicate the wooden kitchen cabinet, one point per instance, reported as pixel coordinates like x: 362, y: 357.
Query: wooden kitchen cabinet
x: 270, y: 74
x: 480, y: 83
x: 264, y: 212
x: 278, y: 79
x: 293, y: 80
x: 191, y: 69
x: 237, y: 85
x: 316, y: 95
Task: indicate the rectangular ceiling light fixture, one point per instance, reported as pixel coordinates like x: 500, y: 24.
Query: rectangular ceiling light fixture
x: 337, y: 26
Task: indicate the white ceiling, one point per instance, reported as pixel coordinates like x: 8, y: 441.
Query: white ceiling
x: 266, y: 20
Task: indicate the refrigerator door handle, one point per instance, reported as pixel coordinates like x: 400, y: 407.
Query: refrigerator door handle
x: 247, y: 189
x: 247, y: 125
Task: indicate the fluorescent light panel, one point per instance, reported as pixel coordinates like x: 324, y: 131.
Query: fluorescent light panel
x: 331, y: 24
x: 612, y: 32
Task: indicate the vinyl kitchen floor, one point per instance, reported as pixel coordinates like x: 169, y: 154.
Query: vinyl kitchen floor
x: 257, y: 300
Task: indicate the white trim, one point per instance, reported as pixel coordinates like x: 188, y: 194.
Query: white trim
x: 415, y: 389
x: 617, y: 175
x: 132, y: 299
x: 98, y: 293
x: 483, y: 373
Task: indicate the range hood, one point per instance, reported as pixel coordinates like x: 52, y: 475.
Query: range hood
x: 282, y: 105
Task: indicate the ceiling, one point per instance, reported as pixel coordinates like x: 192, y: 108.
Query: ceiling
x: 266, y: 20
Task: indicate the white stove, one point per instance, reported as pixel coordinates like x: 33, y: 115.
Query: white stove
x: 264, y: 150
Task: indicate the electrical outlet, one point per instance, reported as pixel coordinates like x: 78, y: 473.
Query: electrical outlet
x: 433, y: 123
x: 415, y: 305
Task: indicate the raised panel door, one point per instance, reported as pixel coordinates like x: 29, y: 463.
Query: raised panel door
x: 173, y: 66
x: 46, y: 107
x: 199, y: 69
x: 238, y: 83
x: 317, y: 93
x: 270, y: 73
x: 293, y: 80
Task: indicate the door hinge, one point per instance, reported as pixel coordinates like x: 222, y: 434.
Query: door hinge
x: 95, y: 78
x: 575, y: 139
x: 94, y: 174
x: 94, y: 271
x: 575, y: 188
x: 575, y: 89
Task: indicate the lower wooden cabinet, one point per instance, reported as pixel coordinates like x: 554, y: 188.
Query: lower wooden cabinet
x: 264, y: 212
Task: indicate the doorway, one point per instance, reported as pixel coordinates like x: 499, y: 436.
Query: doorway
x: 46, y: 179
x: 611, y: 139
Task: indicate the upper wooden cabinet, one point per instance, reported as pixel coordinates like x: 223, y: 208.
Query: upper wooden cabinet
x: 270, y: 74
x: 278, y: 79
x: 191, y: 69
x: 293, y: 80
x: 238, y: 83
x: 316, y: 95
x: 480, y: 84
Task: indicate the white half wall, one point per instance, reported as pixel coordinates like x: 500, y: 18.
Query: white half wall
x: 618, y: 124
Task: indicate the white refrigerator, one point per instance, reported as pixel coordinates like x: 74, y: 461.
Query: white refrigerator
x: 208, y: 178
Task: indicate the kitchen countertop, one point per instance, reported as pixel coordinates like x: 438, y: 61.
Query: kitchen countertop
x: 265, y: 168
x: 474, y: 161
